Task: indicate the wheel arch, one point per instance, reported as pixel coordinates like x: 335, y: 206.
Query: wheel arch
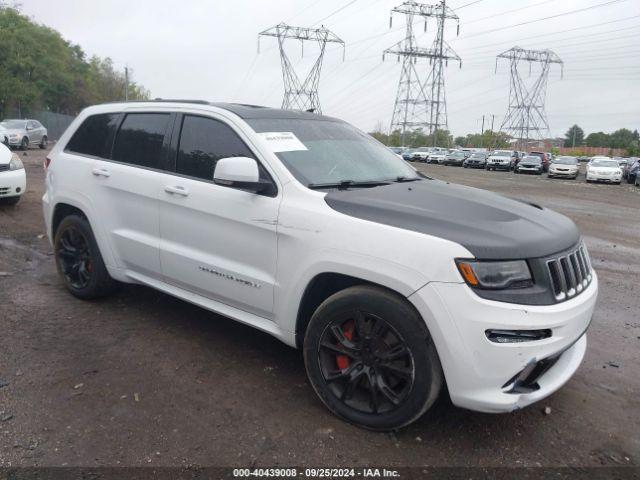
x: 321, y: 287
x: 69, y: 206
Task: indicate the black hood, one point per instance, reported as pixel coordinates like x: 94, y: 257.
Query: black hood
x: 489, y: 225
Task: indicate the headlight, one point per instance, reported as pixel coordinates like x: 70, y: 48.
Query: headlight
x: 495, y: 275
x: 15, y: 163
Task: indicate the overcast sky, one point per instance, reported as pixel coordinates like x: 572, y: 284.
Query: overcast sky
x: 208, y: 50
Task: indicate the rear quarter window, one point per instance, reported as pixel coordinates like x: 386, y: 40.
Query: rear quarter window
x: 95, y: 135
x: 140, y: 139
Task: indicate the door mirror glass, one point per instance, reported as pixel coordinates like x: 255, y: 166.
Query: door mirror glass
x: 239, y: 172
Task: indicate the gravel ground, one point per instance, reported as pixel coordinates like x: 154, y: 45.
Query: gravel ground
x: 142, y: 378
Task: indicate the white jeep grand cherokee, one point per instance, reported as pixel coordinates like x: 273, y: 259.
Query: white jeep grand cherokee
x: 393, y: 284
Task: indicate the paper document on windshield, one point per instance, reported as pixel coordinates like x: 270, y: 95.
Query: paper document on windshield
x: 282, y: 141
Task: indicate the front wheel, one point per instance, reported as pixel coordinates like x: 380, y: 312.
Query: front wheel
x: 24, y: 144
x: 79, y: 261
x: 370, y: 358
x: 44, y: 142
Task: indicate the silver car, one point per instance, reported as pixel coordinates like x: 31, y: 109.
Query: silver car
x: 22, y: 133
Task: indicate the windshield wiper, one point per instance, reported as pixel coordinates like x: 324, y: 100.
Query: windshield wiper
x: 402, y: 179
x: 348, y: 184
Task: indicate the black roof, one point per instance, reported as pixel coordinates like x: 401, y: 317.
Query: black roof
x: 245, y: 111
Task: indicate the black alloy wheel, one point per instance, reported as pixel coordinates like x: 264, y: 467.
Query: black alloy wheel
x: 370, y: 358
x: 79, y: 261
x: 366, y: 363
x: 74, y: 258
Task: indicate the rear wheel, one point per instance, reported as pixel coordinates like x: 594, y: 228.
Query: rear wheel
x: 79, y: 261
x: 371, y: 360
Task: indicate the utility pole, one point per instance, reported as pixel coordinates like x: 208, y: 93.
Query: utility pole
x: 574, y: 137
x: 526, y: 115
x: 126, y: 84
x: 416, y: 98
x: 482, y: 133
x: 301, y: 95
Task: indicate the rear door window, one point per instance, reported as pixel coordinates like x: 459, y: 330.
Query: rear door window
x: 204, y: 141
x: 95, y: 135
x: 140, y: 139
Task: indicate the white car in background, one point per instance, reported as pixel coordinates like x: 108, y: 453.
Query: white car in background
x: 13, y: 179
x: 437, y: 156
x: 604, y: 169
x: 564, y: 166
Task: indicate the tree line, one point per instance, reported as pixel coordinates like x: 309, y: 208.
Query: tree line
x: 40, y: 70
x: 621, y: 138
x: 443, y: 138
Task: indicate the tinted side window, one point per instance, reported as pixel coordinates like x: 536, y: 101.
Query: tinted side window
x: 94, y: 136
x: 204, y: 141
x: 140, y: 138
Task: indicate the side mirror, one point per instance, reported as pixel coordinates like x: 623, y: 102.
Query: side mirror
x: 241, y: 173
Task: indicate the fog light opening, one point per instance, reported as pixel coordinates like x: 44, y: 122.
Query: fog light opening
x: 517, y: 336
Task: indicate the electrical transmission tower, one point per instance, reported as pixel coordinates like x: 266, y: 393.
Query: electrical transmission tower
x: 420, y: 102
x: 301, y: 95
x: 526, y: 117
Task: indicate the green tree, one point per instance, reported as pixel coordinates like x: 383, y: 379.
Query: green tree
x: 622, y: 138
x: 574, y: 136
x: 41, y: 70
x: 597, y: 139
x: 460, y: 141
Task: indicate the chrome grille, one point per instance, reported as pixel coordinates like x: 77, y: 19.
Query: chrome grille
x: 570, y: 273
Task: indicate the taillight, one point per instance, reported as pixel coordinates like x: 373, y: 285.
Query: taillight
x: 46, y: 162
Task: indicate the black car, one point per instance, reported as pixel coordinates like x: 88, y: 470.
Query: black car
x: 631, y: 171
x: 530, y: 164
x: 476, y: 160
x: 455, y: 158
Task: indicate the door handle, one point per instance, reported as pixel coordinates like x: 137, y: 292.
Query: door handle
x: 177, y: 190
x: 101, y: 172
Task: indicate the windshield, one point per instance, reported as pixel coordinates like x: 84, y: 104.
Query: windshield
x: 566, y: 160
x: 604, y: 163
x: 331, y: 152
x: 532, y: 159
x: 501, y: 153
x: 476, y: 156
x: 14, y: 124
x: 457, y: 154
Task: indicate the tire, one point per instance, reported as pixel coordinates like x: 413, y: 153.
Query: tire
x: 24, y: 144
x: 10, y: 200
x: 413, y: 378
x: 79, y: 261
x: 44, y: 142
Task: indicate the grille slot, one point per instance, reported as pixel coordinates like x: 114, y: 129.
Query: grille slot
x: 570, y: 273
x: 4, y: 168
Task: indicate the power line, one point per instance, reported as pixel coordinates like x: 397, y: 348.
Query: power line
x: 508, y: 11
x: 334, y: 12
x: 571, y: 12
x: 468, y: 4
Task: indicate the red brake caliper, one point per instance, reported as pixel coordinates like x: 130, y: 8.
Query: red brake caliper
x: 343, y: 361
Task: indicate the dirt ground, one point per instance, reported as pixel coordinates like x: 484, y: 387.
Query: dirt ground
x: 143, y: 379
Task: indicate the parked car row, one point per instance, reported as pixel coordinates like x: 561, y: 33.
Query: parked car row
x: 23, y: 133
x: 599, y: 168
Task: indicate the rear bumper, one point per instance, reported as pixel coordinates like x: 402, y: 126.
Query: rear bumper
x: 604, y: 178
x: 13, y: 183
x: 480, y: 374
